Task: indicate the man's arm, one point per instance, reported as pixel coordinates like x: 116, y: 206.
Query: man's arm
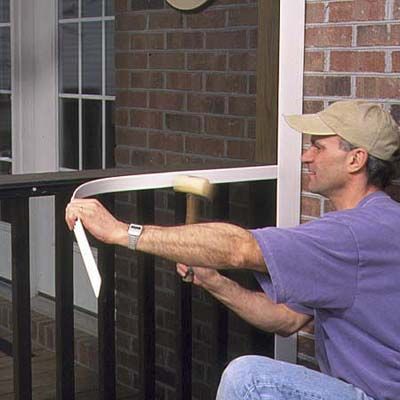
x: 254, y: 307
x: 214, y: 245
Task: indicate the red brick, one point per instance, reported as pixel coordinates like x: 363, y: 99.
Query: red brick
x: 251, y: 128
x: 226, y: 40
x: 121, y: 116
x: 146, y: 4
x: 224, y: 126
x: 396, y: 9
x: 328, y: 36
x: 130, y: 61
x: 311, y: 206
x: 243, y: 16
x: 185, y: 40
x: 312, y: 107
x: 396, y: 61
x: 245, y: 106
x: 315, y: 12
x: 121, y: 6
x: 165, y: 20
x: 206, y: 19
x: 128, y: 22
x: 362, y: 61
x: 122, y: 79
x: 327, y: 86
x: 206, y: 61
x: 147, y: 79
x: 179, y: 159
x: 231, y: 83
x: 241, y: 150
x: 169, y: 141
x: 360, y: 10
x: 243, y: 61
x: 184, y: 80
x: 147, y: 158
x: 378, y: 88
x: 206, y: 146
x: 253, y: 35
x: 131, y: 137
x: 378, y: 35
x: 166, y: 60
x: 131, y: 99
x: 252, y: 84
x: 167, y: 100
x: 203, y: 103
x: 121, y: 41
x: 147, y: 41
x: 121, y: 155
x: 146, y: 119
x: 183, y: 122
x: 314, y: 61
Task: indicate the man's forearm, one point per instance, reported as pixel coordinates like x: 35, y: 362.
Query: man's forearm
x: 215, y: 245
x: 255, y: 307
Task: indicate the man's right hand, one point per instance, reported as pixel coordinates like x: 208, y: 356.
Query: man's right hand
x: 203, y: 277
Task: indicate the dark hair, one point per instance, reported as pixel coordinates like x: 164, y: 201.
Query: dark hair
x: 379, y: 172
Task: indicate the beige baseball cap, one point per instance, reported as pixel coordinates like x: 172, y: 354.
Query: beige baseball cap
x: 186, y: 4
x: 359, y: 122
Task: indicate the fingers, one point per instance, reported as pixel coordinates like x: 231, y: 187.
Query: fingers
x: 81, y: 209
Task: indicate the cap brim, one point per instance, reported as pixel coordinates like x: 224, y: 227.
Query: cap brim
x: 186, y: 4
x: 310, y: 124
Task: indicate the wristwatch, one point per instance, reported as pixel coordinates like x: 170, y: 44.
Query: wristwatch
x: 134, y: 232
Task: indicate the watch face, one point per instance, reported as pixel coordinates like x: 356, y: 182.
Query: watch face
x: 186, y: 4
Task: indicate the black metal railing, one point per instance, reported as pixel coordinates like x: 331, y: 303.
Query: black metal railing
x: 15, y: 192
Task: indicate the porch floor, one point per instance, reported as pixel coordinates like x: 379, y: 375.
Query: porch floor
x: 44, y: 378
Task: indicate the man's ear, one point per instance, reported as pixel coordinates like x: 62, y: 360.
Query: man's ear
x: 357, y: 159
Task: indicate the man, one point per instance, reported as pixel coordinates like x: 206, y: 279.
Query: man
x: 343, y: 270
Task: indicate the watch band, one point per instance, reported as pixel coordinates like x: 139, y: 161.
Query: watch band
x: 134, y: 232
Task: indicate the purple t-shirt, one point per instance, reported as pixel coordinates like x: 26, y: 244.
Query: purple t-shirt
x: 345, y: 270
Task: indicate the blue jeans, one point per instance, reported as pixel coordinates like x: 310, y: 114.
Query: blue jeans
x: 261, y: 378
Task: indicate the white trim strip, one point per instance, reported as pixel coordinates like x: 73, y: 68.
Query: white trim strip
x: 154, y: 181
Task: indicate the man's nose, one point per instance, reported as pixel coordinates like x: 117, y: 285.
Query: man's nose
x: 307, y: 156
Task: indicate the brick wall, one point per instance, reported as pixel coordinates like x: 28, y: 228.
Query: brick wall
x: 185, y: 94
x: 352, y: 51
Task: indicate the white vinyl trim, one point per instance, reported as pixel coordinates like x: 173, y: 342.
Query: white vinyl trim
x: 291, y: 54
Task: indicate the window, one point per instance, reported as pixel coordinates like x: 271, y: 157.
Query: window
x: 86, y: 83
x: 5, y: 88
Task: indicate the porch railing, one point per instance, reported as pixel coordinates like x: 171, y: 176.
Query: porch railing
x: 15, y: 191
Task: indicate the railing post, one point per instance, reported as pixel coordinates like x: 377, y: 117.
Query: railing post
x: 106, y: 316
x: 21, y: 299
x: 65, y: 380
x: 146, y: 305
x: 220, y: 340
x: 262, y: 212
x: 184, y: 318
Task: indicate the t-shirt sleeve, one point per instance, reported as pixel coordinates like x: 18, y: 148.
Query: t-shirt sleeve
x: 313, y: 265
x: 265, y: 283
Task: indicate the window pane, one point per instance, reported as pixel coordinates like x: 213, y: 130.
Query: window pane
x: 68, y: 62
x: 91, y: 134
x: 91, y: 8
x: 109, y: 7
x: 68, y: 9
x: 110, y: 134
x: 5, y: 59
x: 91, y: 58
x: 69, y: 133
x: 4, y: 10
x: 5, y: 168
x: 110, y: 67
x: 5, y: 125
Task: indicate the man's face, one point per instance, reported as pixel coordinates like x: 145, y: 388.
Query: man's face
x: 326, y: 164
